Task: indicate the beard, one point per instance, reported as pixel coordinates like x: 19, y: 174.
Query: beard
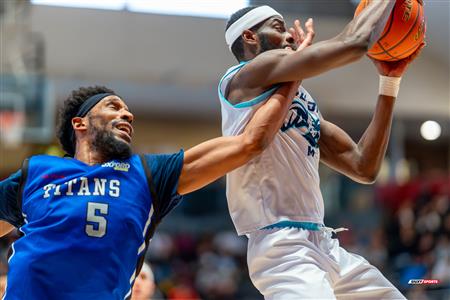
x: 108, y: 145
x: 267, y: 45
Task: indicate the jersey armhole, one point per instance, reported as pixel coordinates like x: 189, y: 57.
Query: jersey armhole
x: 22, y: 182
x: 153, y: 223
x: 151, y: 187
x: 244, y: 104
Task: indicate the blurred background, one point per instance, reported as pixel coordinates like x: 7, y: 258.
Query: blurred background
x: 165, y: 59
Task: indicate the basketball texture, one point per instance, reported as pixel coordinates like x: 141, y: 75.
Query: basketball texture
x: 404, y: 31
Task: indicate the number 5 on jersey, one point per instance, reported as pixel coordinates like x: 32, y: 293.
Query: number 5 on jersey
x: 96, y: 220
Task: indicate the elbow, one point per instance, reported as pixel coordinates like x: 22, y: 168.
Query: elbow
x: 364, y: 173
x: 367, y: 177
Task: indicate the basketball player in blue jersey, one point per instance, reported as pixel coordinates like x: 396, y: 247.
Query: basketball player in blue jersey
x: 275, y: 199
x: 87, y: 220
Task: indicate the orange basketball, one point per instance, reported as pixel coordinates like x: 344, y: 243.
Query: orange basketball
x: 404, y: 31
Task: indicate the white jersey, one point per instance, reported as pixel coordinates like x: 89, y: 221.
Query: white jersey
x: 281, y: 184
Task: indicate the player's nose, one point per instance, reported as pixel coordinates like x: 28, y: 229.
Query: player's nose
x: 127, y: 115
x: 289, y: 38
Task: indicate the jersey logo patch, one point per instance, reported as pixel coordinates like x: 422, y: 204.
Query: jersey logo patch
x: 118, y: 166
x: 299, y: 116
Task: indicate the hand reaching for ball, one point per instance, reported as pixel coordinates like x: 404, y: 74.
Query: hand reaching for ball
x: 396, y: 68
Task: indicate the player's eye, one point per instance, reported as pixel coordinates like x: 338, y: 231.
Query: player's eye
x: 279, y: 28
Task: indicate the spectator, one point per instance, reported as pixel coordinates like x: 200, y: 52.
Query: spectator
x: 144, y: 285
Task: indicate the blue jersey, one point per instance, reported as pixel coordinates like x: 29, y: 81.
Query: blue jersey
x: 85, y: 228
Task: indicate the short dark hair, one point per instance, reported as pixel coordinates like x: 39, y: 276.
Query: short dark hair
x: 238, y: 45
x: 68, y: 111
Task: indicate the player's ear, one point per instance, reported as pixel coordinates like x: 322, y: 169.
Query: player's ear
x: 250, y: 37
x: 79, y: 123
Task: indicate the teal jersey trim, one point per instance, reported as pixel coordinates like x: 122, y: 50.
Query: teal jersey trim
x: 300, y: 225
x: 248, y: 103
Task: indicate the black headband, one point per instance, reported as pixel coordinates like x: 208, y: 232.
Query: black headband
x: 90, y: 103
x: 86, y: 107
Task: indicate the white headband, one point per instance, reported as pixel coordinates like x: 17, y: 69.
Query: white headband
x: 247, y: 21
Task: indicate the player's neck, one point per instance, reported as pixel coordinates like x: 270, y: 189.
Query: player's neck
x: 249, y: 54
x: 84, y: 152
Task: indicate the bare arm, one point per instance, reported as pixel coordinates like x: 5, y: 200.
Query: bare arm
x: 5, y: 228
x: 212, y: 159
x: 362, y: 161
x: 282, y: 65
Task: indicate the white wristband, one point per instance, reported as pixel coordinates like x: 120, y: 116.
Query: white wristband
x: 389, y: 86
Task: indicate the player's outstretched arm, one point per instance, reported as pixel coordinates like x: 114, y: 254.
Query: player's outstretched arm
x: 212, y: 159
x: 282, y: 65
x: 362, y: 161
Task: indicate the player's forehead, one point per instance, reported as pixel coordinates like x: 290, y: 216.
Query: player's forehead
x: 113, y: 99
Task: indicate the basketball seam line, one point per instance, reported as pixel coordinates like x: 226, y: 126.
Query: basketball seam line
x: 404, y: 37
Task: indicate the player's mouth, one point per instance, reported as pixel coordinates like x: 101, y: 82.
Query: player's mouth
x: 290, y: 47
x: 125, y: 130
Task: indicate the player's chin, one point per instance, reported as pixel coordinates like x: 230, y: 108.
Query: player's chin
x: 123, y: 137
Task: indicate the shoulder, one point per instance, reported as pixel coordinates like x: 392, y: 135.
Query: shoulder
x: 45, y: 157
x: 38, y: 163
x: 268, y: 58
x: 12, y: 179
x: 159, y: 162
x: 163, y: 172
x: 254, y: 73
x: 272, y: 54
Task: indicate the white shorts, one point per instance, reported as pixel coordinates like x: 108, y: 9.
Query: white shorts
x: 293, y: 264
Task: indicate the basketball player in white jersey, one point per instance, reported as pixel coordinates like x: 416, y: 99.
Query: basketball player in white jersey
x: 275, y: 198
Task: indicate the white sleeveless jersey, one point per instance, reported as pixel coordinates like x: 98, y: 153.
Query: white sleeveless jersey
x: 281, y: 184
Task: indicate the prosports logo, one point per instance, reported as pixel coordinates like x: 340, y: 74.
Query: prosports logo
x: 118, y: 166
x: 423, y: 281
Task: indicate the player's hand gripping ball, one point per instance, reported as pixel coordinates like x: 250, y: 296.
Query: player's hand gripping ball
x: 404, y: 31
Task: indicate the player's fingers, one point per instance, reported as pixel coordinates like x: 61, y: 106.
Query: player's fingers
x: 308, y: 37
x: 306, y: 42
x: 299, y: 30
x: 294, y: 34
x: 409, y: 59
x: 309, y: 25
x: 419, y: 50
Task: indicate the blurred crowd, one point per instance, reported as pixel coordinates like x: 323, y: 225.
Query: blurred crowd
x: 403, y: 230
x: 205, y: 266
x: 418, y: 234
